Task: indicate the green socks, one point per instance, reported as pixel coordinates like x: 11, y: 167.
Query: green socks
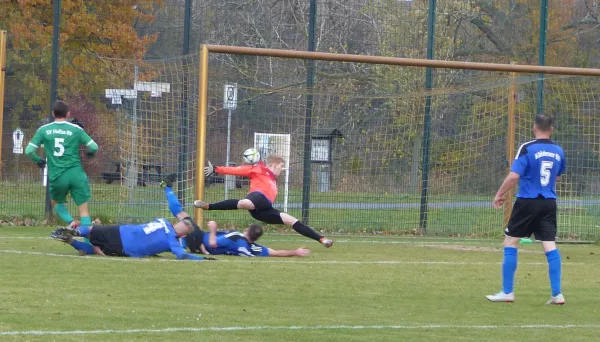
x: 63, y: 212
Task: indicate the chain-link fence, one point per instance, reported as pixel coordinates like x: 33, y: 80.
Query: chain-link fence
x: 481, y: 31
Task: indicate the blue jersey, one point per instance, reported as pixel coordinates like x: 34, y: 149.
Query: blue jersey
x: 538, y: 163
x: 234, y: 243
x: 158, y: 236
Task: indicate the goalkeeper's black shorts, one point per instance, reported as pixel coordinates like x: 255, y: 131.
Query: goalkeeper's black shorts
x: 264, y: 210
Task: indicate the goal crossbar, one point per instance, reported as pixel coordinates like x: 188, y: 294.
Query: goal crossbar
x: 432, y: 63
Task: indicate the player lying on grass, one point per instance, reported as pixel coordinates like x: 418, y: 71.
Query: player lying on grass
x: 261, y: 196
x: 130, y: 240
x: 222, y: 242
x: 61, y: 140
x: 236, y: 243
x: 135, y: 240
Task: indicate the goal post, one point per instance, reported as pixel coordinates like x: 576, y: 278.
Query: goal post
x: 481, y: 112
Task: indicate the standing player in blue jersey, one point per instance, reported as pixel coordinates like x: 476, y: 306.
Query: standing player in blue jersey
x: 235, y: 243
x: 536, y: 168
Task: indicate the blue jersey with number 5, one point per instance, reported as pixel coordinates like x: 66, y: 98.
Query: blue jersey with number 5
x: 538, y: 163
x: 140, y: 240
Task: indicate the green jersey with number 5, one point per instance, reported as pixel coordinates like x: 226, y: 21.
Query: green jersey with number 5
x: 61, y: 141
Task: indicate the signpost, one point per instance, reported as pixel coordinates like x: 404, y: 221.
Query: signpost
x: 229, y: 103
x: 18, y: 138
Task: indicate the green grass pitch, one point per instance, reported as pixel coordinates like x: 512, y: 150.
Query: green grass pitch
x: 362, y: 289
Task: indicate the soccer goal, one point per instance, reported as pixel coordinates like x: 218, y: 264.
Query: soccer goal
x: 401, y: 157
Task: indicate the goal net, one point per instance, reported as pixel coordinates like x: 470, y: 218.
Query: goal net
x: 155, y: 105
x: 370, y: 121
x: 371, y: 168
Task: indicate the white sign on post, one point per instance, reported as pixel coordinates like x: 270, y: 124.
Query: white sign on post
x: 116, y: 95
x: 45, y: 176
x: 229, y: 103
x: 319, y: 150
x: 155, y: 88
x: 18, y: 137
x: 230, y: 96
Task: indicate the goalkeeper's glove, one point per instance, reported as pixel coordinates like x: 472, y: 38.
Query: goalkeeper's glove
x: 90, y: 154
x: 41, y: 163
x: 209, y: 170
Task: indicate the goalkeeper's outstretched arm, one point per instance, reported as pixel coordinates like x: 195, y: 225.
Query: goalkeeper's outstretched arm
x: 244, y: 170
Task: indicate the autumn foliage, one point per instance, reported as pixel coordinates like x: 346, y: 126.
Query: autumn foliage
x: 88, y: 29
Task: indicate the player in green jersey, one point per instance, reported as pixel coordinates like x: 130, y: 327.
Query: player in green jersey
x: 61, y: 140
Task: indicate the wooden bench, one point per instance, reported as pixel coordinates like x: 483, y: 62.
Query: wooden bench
x: 110, y: 177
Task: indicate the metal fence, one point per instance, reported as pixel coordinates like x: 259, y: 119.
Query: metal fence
x: 549, y: 32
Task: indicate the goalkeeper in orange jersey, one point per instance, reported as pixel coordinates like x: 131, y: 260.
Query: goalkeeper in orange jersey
x: 261, y: 196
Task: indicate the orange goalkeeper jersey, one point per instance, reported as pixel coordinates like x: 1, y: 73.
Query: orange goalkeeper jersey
x: 261, y: 178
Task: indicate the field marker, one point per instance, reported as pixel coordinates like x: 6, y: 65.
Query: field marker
x: 244, y: 260
x: 294, y: 327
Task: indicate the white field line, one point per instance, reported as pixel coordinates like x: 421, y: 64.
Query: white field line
x: 294, y: 327
x: 244, y: 260
x: 24, y: 237
x: 498, y: 243
x: 357, y: 240
x: 345, y: 240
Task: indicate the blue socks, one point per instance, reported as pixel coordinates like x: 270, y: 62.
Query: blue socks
x: 86, y: 221
x: 509, y: 267
x: 62, y: 212
x: 84, y: 231
x: 82, y: 246
x: 554, y: 270
x: 174, y: 204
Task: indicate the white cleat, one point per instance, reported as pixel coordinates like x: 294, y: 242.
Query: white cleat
x: 501, y: 297
x: 201, y: 204
x: 559, y: 299
x: 326, y: 242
